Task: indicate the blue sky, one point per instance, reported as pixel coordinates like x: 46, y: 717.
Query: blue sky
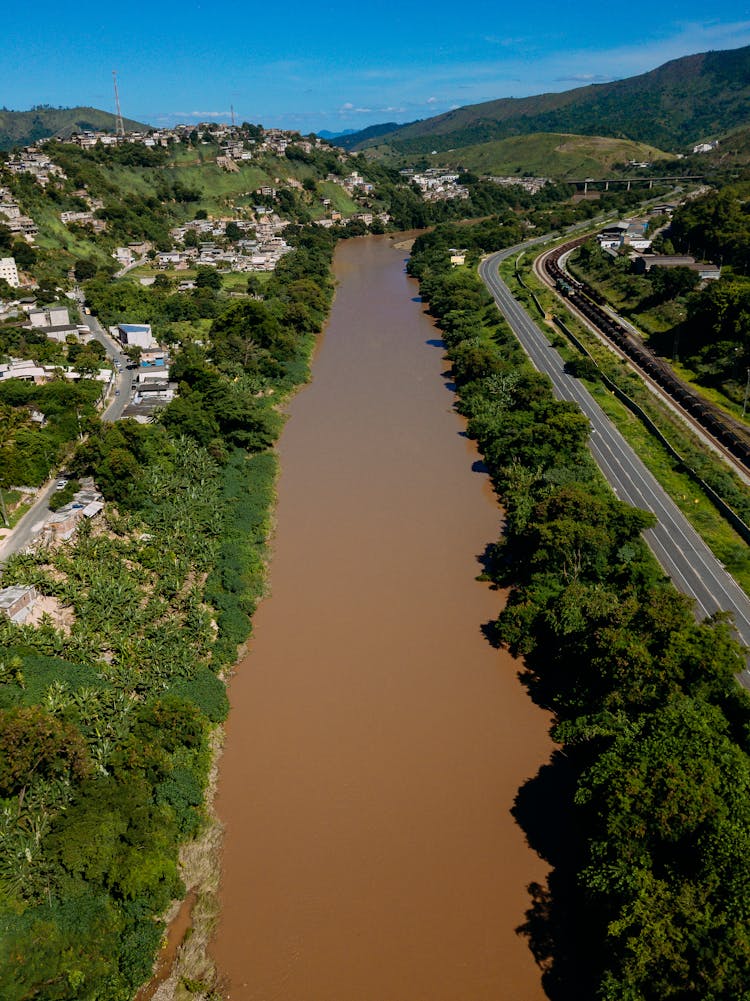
x: 337, y: 65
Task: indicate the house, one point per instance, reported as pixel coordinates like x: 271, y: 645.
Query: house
x: 9, y: 271
x: 17, y: 602
x: 26, y: 369
x: 706, y: 270
x: 50, y: 316
x: 63, y: 331
x: 124, y: 256
x: 645, y: 262
x: 137, y: 335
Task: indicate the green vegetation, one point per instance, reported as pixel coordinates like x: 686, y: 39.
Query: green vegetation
x: 704, y: 327
x: 647, y: 797
x: 21, y: 128
x: 29, y: 450
x: 687, y: 494
x: 558, y: 156
x: 108, y: 704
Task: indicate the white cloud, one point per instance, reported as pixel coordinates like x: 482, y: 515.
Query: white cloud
x: 200, y: 114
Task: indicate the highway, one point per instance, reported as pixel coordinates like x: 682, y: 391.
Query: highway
x: 679, y: 549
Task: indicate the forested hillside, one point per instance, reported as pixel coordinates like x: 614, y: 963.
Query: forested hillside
x: 21, y: 128
x: 673, y: 106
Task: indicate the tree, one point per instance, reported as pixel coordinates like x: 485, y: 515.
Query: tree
x: 35, y: 745
x: 84, y: 269
x: 208, y: 278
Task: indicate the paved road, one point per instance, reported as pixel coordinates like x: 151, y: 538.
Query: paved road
x: 677, y: 546
x: 123, y: 375
x: 31, y: 524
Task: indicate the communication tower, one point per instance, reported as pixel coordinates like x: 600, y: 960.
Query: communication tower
x: 231, y: 106
x: 119, y: 124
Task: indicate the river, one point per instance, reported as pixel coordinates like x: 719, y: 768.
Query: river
x: 376, y: 741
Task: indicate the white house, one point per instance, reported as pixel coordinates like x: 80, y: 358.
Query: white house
x: 9, y: 271
x: 136, y: 334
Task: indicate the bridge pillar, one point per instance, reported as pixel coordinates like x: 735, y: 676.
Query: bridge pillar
x: 628, y: 185
x: 585, y: 187
x: 650, y: 183
x: 606, y: 186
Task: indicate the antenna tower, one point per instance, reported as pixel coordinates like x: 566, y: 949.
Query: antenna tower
x: 119, y: 124
x: 231, y: 106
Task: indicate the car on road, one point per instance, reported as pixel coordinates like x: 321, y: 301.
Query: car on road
x: 117, y: 392
x: 61, y: 484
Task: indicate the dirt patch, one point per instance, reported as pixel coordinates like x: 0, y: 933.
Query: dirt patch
x: 62, y: 616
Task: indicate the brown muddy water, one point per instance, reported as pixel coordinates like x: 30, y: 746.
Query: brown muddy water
x: 376, y: 741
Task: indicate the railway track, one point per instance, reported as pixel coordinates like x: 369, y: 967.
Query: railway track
x: 732, y: 436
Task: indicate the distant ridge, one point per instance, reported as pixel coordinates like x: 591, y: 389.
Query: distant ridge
x: 325, y: 134
x: 353, y: 139
x: 679, y: 103
x: 20, y: 128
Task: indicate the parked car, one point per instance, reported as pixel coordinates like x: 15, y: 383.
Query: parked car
x: 61, y: 484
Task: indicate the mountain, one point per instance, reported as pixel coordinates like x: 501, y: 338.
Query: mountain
x: 354, y: 139
x: 20, y: 128
x: 325, y: 134
x: 675, y: 105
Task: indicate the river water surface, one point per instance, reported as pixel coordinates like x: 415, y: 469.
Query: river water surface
x: 376, y: 741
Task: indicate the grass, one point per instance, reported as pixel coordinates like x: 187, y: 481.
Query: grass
x: 12, y: 497
x: 340, y: 200
x: 548, y: 154
x: 235, y: 281
x: 723, y: 541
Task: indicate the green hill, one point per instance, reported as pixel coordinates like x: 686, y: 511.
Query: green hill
x: 20, y: 128
x: 560, y: 156
x: 675, y: 105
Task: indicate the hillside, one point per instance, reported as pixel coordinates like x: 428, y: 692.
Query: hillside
x: 555, y: 155
x: 675, y: 105
x: 20, y: 128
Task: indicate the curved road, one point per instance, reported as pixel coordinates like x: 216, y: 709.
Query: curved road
x: 679, y: 549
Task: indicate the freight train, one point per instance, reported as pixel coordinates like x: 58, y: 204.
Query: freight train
x: 732, y: 435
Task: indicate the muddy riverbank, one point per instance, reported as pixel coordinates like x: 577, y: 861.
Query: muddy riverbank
x: 376, y: 742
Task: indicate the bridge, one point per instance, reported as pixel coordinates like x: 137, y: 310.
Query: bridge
x: 650, y: 181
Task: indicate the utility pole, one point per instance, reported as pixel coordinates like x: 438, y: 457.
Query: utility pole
x: 747, y: 393
x: 119, y: 124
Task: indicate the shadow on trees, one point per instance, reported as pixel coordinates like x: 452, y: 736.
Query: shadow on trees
x: 558, y: 925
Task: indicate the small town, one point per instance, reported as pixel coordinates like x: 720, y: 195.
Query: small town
x: 374, y: 504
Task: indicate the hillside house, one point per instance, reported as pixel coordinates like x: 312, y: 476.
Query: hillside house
x: 137, y: 335
x: 17, y: 602
x: 9, y: 271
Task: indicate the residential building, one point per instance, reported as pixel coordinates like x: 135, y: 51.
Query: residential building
x: 9, y: 271
x: 17, y: 602
x: 136, y: 335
